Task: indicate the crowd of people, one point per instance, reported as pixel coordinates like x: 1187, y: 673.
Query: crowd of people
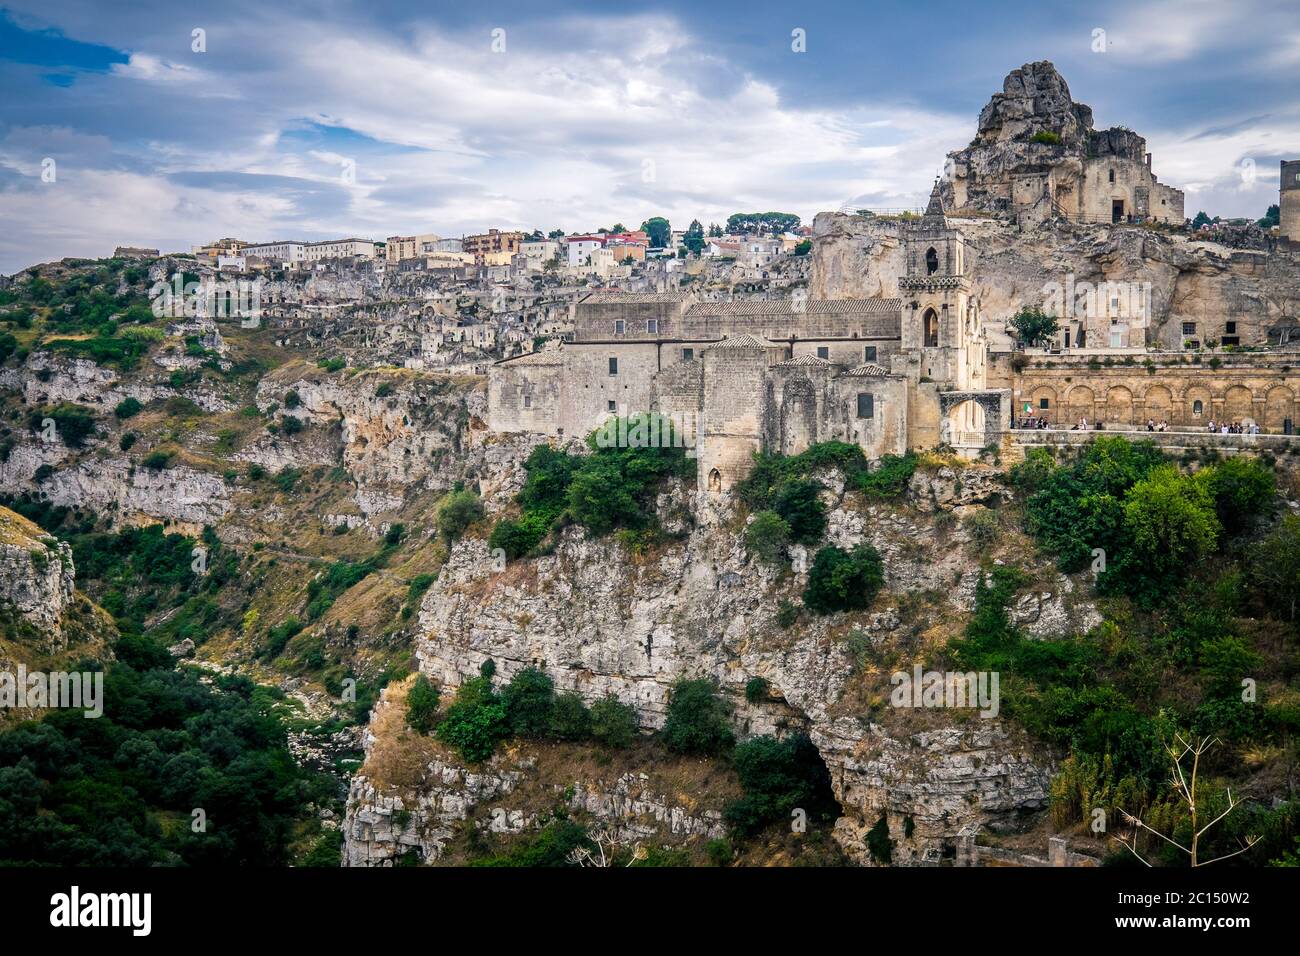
x: 1235, y: 428
x: 1216, y: 428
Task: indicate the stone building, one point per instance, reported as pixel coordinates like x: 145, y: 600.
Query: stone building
x: 1036, y: 155
x: 886, y: 374
x: 1289, y: 200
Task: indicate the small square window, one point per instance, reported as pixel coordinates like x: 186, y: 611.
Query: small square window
x: 1189, y: 328
x: 823, y: 352
x: 652, y: 325
x: 528, y: 401
x: 1042, y: 403
x: 613, y: 365
x: 866, y: 405
x: 870, y: 353
x: 688, y: 355
x: 1230, y: 328
x: 612, y: 407
x: 618, y: 327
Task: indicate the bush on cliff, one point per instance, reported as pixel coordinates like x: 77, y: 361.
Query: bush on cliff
x: 422, y: 705
x: 779, y: 776
x: 844, y: 580
x: 613, y: 723
x: 697, y: 720
x: 475, y: 721
x: 457, y: 512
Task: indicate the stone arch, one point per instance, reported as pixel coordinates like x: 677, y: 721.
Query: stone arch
x: 1279, y: 407
x: 1080, y: 402
x: 1194, y: 395
x: 715, y: 480
x: 1119, y: 405
x: 1158, y: 402
x: 798, y: 416
x: 931, y: 261
x: 1238, y: 404
x: 973, y: 420
x: 1051, y: 412
x: 930, y: 328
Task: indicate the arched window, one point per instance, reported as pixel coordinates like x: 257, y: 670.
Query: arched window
x: 931, y: 262
x: 931, y: 327
x: 1197, y: 408
x: 1112, y: 175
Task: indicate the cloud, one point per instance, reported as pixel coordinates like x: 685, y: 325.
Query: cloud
x: 580, y: 122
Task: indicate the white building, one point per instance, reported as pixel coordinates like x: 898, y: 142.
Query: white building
x: 580, y: 249
x: 287, y: 251
x: 339, y: 249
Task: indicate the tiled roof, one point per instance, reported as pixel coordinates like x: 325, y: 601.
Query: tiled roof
x: 804, y: 361
x: 742, y: 341
x: 633, y: 298
x: 785, y: 307
x: 869, y: 369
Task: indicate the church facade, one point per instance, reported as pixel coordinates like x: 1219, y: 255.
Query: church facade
x: 885, y: 374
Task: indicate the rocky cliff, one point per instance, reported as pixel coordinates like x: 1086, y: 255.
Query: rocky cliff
x: 600, y: 620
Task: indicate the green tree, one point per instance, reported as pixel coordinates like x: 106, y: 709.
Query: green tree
x: 529, y: 701
x: 773, y: 223
x: 844, y: 580
x: 1273, y: 565
x: 1171, y: 521
x: 458, y: 511
x: 570, y: 719
x: 697, y: 721
x: 767, y: 536
x: 1271, y: 218
x: 613, y: 723
x: 1241, y: 489
x: 422, y: 705
x: 1201, y: 220
x: 693, y: 238
x: 1034, y: 326
x: 475, y: 721
x: 798, y: 503
x: 659, y: 230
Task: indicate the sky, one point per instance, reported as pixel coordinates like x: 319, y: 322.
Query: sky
x: 122, y: 125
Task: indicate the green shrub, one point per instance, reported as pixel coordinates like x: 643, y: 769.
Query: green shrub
x: 158, y: 460
x: 766, y: 536
x: 1241, y: 489
x: 697, y: 721
x: 73, y: 423
x: 613, y: 723
x: 475, y: 721
x: 779, y: 776
x: 529, y: 701
x: 292, y: 399
x: 518, y: 538
x: 290, y: 425
x: 844, y: 580
x: 756, y: 689
x: 799, y: 504
x: 127, y: 440
x: 457, y: 512
x: 384, y: 390
x: 890, y: 477
x: 127, y: 407
x: 786, y: 614
x: 570, y: 719
x: 422, y: 705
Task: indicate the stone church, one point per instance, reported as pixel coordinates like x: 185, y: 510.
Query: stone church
x: 775, y: 375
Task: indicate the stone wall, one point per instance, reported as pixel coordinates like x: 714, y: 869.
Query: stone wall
x: 1245, y: 387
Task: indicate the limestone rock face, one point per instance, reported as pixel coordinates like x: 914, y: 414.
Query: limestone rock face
x: 36, y: 576
x: 1034, y: 98
x: 600, y: 621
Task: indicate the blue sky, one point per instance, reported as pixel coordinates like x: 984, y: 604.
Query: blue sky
x: 337, y: 118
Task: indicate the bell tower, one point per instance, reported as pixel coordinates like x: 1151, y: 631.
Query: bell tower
x: 940, y: 318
